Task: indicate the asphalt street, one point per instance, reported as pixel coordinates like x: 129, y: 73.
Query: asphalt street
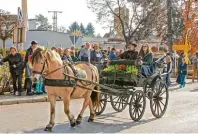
x: 181, y: 116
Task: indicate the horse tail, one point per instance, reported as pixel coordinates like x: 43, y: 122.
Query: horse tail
x: 95, y: 96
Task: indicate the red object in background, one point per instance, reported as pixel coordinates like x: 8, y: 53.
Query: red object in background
x: 29, y: 57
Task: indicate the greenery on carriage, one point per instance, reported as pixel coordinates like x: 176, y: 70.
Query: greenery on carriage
x: 122, y: 67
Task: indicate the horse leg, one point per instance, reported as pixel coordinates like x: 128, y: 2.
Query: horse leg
x: 52, y: 100
x: 85, y: 104
x: 71, y: 118
x: 92, y: 112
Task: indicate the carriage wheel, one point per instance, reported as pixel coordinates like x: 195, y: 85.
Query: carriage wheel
x: 137, y: 105
x: 119, y: 103
x: 99, y: 109
x: 147, y: 90
x: 159, y: 101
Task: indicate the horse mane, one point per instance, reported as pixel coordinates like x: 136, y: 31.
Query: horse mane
x: 37, y: 55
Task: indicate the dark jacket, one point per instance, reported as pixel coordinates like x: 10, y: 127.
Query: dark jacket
x: 74, y: 59
x: 148, y: 58
x: 68, y: 58
x: 96, y: 56
x: 16, y: 60
x: 28, y: 53
x: 129, y: 55
x: 183, y: 69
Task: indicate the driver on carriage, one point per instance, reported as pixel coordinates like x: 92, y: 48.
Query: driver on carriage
x: 130, y: 54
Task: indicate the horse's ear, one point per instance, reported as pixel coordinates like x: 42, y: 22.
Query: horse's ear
x: 48, y: 56
x: 44, y: 52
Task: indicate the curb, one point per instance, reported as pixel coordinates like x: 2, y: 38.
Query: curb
x: 13, y: 101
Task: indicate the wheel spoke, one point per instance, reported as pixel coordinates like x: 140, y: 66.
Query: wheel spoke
x: 115, y: 97
x: 160, y: 107
x: 138, y: 112
x: 133, y: 111
x: 157, y: 108
x: 117, y: 102
x: 162, y: 103
x: 162, y: 93
x: 139, y: 99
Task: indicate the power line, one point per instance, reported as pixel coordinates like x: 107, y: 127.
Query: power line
x: 55, y: 19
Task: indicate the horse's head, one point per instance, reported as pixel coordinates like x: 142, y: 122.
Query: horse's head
x: 42, y: 62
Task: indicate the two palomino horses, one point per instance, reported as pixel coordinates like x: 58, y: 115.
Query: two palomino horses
x: 49, y: 63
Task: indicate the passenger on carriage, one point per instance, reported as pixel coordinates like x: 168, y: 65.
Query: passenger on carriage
x: 146, y: 55
x: 130, y: 54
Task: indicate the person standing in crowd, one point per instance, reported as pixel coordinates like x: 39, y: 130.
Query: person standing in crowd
x: 67, y: 56
x: 195, y: 67
x: 112, y: 54
x: 54, y: 49
x: 168, y: 69
x: 83, y: 46
x: 96, y: 57
x: 180, y: 58
x: 15, y: 61
x: 74, y: 50
x: 60, y: 52
x: 130, y: 54
x: 85, y: 53
x: 183, y: 67
x: 109, y: 50
x: 28, y: 71
x: 74, y: 58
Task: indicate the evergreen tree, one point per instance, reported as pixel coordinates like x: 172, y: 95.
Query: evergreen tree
x: 90, y: 30
x: 74, y: 26
x: 82, y: 29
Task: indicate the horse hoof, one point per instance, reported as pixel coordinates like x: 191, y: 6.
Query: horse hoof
x: 73, y: 124
x: 90, y: 120
x: 78, y: 122
x: 48, y: 129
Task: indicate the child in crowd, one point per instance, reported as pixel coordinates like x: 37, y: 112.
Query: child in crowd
x: 183, y: 67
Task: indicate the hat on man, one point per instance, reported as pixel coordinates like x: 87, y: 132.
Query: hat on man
x: 34, y: 42
x: 131, y: 43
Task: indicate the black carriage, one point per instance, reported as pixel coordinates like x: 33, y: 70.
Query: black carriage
x: 121, y: 83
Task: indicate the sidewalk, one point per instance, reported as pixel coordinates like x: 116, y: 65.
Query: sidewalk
x: 10, y: 99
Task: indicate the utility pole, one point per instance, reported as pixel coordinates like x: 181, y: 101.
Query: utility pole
x: 55, y: 18
x: 169, y: 14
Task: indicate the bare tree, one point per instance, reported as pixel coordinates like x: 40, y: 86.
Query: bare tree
x: 62, y: 29
x: 141, y: 21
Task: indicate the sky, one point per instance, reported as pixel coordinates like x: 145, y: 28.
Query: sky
x: 73, y: 10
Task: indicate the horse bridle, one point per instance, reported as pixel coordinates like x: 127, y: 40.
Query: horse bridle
x: 41, y: 72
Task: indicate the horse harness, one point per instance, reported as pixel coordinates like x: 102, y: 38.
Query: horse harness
x: 67, y: 81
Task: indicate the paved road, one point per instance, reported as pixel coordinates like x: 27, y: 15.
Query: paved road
x: 181, y: 116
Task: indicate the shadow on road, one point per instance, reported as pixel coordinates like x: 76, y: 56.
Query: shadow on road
x: 100, y: 125
x: 194, y: 90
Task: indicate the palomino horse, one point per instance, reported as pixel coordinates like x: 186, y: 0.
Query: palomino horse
x: 49, y: 64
